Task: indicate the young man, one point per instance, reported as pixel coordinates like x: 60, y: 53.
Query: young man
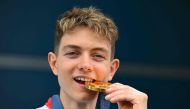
x: 84, y: 48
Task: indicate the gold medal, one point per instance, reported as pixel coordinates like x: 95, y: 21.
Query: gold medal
x: 97, y: 86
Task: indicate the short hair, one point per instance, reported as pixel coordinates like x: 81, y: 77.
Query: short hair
x: 91, y: 18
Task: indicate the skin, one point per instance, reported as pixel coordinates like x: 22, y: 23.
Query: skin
x: 86, y: 54
x: 126, y: 97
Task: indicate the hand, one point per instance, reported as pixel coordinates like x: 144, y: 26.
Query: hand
x: 126, y: 97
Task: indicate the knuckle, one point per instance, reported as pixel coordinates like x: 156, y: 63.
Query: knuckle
x: 143, y: 96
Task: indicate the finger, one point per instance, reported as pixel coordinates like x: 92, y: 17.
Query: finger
x: 119, y: 86
x: 133, y: 97
x: 114, y: 87
x: 115, y: 93
x: 118, y: 92
x: 116, y: 96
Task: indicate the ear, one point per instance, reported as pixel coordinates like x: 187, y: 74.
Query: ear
x: 114, y: 66
x: 52, y: 62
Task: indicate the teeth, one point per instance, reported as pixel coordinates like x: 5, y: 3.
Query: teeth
x: 84, y: 79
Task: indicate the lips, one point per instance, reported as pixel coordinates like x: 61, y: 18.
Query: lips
x: 83, y: 79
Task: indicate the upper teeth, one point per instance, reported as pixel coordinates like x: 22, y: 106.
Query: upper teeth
x: 84, y: 79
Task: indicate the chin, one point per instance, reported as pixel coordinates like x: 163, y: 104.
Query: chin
x: 86, y: 97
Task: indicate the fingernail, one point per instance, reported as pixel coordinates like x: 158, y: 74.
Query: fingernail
x: 107, y: 97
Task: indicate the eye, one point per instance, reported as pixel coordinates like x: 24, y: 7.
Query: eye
x: 99, y: 57
x: 72, y: 54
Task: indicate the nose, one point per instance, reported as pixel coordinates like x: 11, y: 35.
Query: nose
x: 85, y: 64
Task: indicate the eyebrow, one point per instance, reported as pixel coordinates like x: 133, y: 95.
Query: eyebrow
x: 71, y: 47
x: 100, y: 49
x: 79, y: 48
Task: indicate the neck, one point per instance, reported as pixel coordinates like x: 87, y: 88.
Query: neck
x: 70, y: 103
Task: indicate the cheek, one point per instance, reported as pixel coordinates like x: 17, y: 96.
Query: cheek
x: 65, y: 65
x: 63, y: 71
x: 103, y: 73
x: 64, y: 77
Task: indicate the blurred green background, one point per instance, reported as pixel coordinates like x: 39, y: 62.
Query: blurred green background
x: 153, y: 47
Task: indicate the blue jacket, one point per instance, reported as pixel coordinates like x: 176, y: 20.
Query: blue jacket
x: 55, y: 103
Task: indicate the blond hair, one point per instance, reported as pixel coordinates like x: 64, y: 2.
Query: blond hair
x: 89, y: 17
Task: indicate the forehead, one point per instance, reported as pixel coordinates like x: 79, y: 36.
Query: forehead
x: 84, y: 36
x: 87, y: 31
